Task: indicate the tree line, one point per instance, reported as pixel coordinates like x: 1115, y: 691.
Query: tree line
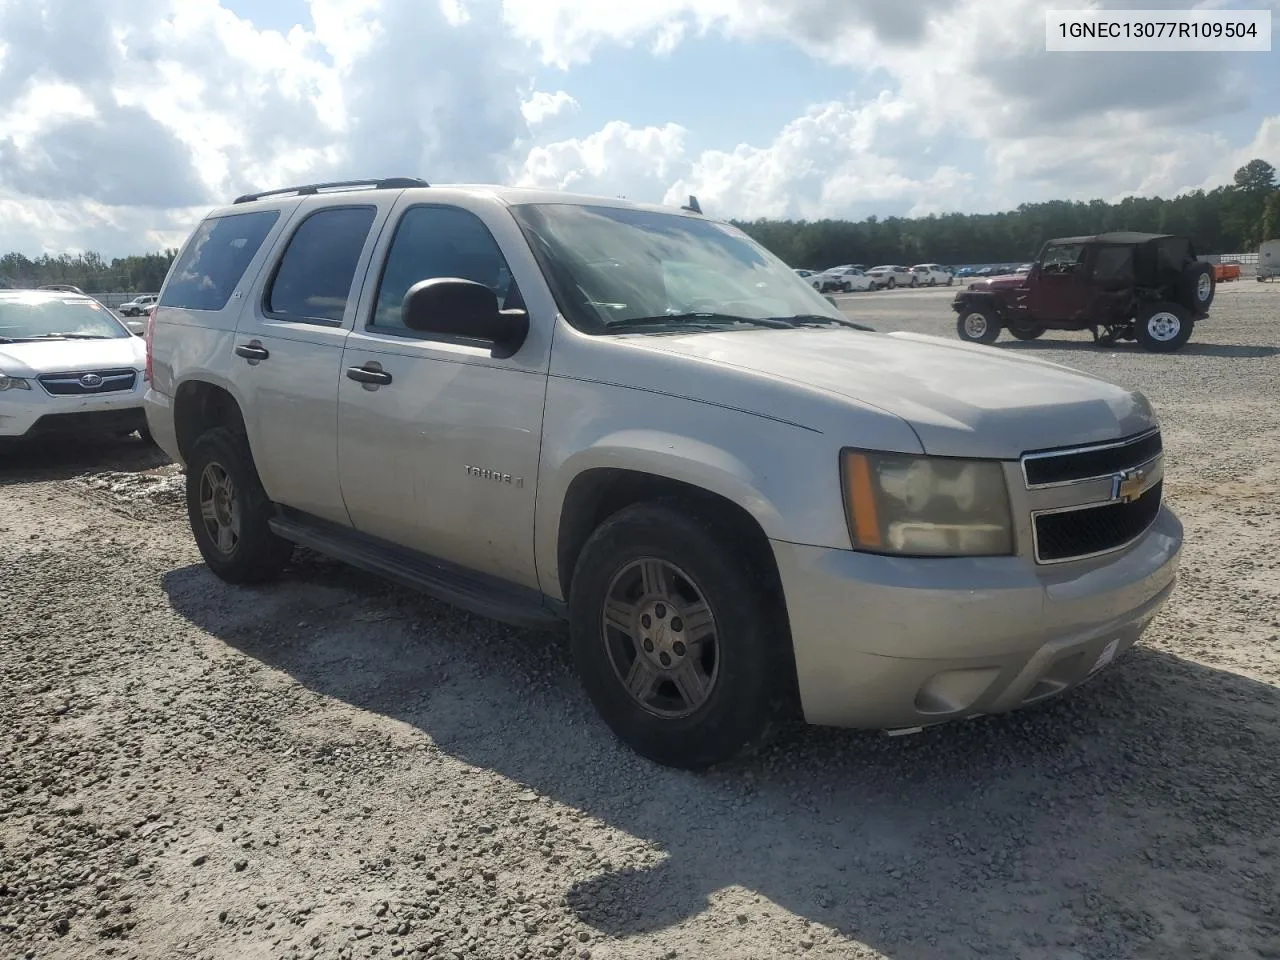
x: 1228, y: 219
x: 88, y: 271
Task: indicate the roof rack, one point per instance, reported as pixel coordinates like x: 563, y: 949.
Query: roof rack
x: 387, y: 183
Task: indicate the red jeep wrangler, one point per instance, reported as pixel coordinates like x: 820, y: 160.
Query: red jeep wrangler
x: 1121, y: 286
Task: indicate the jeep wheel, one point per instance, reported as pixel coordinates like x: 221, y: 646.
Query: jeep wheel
x: 1163, y: 327
x: 978, y: 325
x: 229, y: 511
x: 1198, y: 287
x: 1025, y: 332
x: 675, y: 638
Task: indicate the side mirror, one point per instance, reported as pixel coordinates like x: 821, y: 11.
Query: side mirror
x: 452, y: 307
x: 137, y: 327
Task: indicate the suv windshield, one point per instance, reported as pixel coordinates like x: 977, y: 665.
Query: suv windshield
x: 614, y: 267
x: 43, y: 317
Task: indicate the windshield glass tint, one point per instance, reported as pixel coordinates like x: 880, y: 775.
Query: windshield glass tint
x: 35, y: 317
x: 612, y: 266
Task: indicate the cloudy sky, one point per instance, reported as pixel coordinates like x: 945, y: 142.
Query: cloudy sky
x: 121, y: 121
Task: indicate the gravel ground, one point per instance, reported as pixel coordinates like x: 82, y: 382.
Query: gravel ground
x: 334, y: 767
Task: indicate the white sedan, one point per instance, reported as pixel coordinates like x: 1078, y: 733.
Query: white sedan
x: 845, y: 279
x: 932, y: 275
x: 67, y: 366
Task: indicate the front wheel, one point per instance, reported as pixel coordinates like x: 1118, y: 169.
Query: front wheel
x: 1025, y: 332
x: 978, y: 325
x: 229, y: 511
x: 678, y: 641
x: 1163, y: 327
x: 891, y: 284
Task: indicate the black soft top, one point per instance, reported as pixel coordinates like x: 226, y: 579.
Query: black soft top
x: 1121, y: 238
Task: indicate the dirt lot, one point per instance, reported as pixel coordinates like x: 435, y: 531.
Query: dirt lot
x: 336, y: 768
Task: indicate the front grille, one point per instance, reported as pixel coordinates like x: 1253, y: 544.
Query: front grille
x: 73, y: 385
x: 1066, y: 466
x: 1094, y: 530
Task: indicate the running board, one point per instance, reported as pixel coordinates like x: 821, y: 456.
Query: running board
x: 476, y: 593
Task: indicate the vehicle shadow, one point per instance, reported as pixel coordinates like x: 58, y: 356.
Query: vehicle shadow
x: 62, y: 458
x: 1233, y: 350
x: 1134, y: 817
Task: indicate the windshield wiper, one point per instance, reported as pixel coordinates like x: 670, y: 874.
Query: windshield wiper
x: 820, y: 319
x: 701, y: 319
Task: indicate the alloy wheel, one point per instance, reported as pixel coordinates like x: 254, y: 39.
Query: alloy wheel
x: 220, y: 508
x: 660, y: 636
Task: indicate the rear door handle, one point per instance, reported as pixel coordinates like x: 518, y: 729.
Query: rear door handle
x: 369, y: 375
x: 252, y: 351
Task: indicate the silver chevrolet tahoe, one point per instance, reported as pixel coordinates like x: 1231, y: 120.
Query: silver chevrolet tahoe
x: 555, y: 409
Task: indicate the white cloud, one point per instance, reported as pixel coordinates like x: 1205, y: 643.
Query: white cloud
x: 121, y: 120
x: 542, y: 106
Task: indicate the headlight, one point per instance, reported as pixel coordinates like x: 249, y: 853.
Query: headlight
x: 13, y: 383
x: 926, y: 506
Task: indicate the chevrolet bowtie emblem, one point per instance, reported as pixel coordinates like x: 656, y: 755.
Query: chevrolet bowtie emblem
x: 1129, y: 485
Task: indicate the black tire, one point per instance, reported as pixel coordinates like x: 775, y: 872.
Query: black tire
x: 892, y: 282
x: 1198, y: 287
x: 257, y: 555
x: 847, y: 287
x: 972, y: 331
x: 752, y: 653
x: 1023, y: 332
x: 1163, y: 327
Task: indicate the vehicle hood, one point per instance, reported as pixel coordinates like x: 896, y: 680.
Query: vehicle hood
x: 69, y: 356
x: 1004, y: 281
x: 962, y: 400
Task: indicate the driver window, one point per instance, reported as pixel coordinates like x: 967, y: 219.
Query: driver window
x: 435, y: 242
x: 1063, y: 258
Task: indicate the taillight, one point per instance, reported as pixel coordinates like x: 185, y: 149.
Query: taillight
x: 151, y: 339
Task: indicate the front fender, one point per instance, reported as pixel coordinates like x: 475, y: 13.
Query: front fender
x: 785, y: 476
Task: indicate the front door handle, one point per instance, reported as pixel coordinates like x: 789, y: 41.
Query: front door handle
x: 369, y: 375
x: 252, y: 351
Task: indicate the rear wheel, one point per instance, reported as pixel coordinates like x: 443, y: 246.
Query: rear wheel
x: 892, y: 283
x: 1163, y: 327
x: 978, y: 324
x: 678, y: 641
x: 229, y: 511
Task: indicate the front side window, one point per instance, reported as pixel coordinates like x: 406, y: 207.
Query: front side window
x: 314, y: 279
x: 1063, y: 257
x: 615, y: 267
x: 215, y: 259
x: 433, y: 243
x: 41, y: 317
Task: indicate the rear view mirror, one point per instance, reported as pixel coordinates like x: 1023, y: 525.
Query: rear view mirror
x: 451, y: 307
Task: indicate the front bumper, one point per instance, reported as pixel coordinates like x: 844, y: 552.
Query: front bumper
x: 889, y: 643
x: 34, y: 412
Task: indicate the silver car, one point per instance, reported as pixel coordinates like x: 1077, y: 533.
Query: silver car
x: 637, y: 423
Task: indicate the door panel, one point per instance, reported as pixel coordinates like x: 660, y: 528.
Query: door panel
x: 443, y: 459
x: 1059, y: 290
x: 300, y: 316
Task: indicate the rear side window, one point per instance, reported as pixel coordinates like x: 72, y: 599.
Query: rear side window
x: 313, y: 281
x: 216, y: 258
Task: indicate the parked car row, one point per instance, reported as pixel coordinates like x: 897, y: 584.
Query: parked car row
x: 856, y: 277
